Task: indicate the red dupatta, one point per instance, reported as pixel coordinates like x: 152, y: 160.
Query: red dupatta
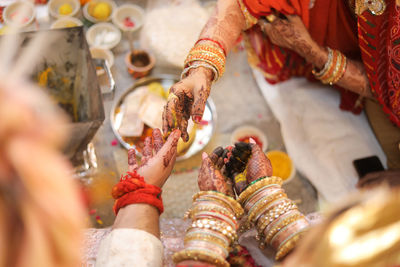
x: 331, y: 23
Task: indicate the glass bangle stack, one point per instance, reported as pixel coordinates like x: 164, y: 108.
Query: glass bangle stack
x: 278, y: 221
x: 213, y: 230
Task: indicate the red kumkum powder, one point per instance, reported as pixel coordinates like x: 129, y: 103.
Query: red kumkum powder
x: 246, y: 139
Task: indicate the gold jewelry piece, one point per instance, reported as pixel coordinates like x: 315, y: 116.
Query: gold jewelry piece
x: 218, y: 226
x: 235, y: 206
x: 215, y: 215
x: 199, y: 244
x: 271, y: 18
x: 200, y: 255
x: 288, y: 246
x: 271, y: 233
x: 259, y: 184
x: 377, y: 7
x: 211, y: 207
x: 264, y: 203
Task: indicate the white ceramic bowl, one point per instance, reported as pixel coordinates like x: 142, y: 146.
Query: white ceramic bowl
x: 103, y: 35
x: 105, y: 54
x: 11, y: 12
x: 248, y: 130
x: 89, y: 17
x: 133, y: 12
x: 66, y: 22
x: 54, y: 5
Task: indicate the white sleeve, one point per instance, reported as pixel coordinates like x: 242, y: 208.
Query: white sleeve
x: 130, y: 247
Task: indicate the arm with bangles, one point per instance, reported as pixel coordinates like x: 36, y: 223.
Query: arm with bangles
x: 292, y: 34
x: 155, y: 169
x: 191, y: 93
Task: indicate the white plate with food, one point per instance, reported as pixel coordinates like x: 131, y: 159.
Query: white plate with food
x: 139, y: 111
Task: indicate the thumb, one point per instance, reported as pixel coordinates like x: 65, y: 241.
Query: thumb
x: 168, y: 150
x: 199, y: 102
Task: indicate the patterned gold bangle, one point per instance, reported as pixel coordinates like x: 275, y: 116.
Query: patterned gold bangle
x: 341, y: 71
x: 200, y: 255
x: 288, y: 246
x: 281, y: 224
x: 264, y: 203
x: 209, y: 48
x: 336, y: 69
x: 218, y: 226
x: 256, y: 196
x: 259, y: 184
x: 207, y: 238
x: 210, y: 199
x: 211, y: 207
x: 215, y: 215
x: 214, y: 58
x: 200, y: 244
x: 208, y: 232
x: 235, y: 206
x: 327, y: 76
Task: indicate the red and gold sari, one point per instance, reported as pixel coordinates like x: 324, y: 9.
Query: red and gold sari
x: 374, y: 39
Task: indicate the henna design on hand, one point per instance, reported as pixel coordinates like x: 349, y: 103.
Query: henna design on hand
x: 157, y: 140
x: 167, y: 157
x: 211, y: 178
x: 132, y: 163
x: 258, y: 165
x: 147, y: 150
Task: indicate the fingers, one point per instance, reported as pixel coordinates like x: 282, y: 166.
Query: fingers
x: 199, y: 103
x: 132, y: 163
x: 183, y: 128
x: 157, y: 140
x: 259, y: 165
x: 168, y: 150
x: 147, y: 150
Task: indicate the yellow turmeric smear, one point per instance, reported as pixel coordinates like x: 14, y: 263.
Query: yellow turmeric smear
x: 43, y: 76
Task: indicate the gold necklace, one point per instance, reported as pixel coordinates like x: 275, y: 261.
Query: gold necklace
x: 377, y: 7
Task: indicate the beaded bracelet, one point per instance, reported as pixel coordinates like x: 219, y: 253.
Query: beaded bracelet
x: 206, y: 237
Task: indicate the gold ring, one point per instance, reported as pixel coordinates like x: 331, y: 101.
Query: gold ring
x: 172, y: 95
x: 271, y: 18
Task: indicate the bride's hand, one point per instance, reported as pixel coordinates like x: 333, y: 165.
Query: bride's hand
x: 210, y: 174
x: 186, y: 99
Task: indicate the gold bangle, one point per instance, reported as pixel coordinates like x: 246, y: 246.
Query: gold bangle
x: 235, y: 206
x: 254, y: 212
x: 211, y: 199
x: 216, y: 225
x: 208, y: 238
x: 200, y: 255
x: 341, y: 71
x: 212, y: 207
x: 271, y: 233
x: 254, y: 187
x: 288, y: 246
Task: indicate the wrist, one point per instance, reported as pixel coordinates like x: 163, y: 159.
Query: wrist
x: 203, y: 73
x: 318, y: 56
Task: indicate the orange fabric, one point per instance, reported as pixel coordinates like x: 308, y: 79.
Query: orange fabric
x: 265, y: 7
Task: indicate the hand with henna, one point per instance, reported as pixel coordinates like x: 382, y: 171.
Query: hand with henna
x: 250, y: 160
x: 158, y: 158
x: 210, y: 174
x: 187, y: 98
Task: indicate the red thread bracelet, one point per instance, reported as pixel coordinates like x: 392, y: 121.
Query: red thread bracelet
x: 211, y: 40
x: 132, y: 189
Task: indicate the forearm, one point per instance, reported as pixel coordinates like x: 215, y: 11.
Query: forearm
x: 354, y: 78
x: 225, y: 24
x: 139, y: 216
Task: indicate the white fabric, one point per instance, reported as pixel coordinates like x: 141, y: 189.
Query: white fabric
x: 130, y: 247
x: 321, y: 139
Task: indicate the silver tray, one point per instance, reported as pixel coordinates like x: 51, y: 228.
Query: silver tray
x: 203, y: 133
